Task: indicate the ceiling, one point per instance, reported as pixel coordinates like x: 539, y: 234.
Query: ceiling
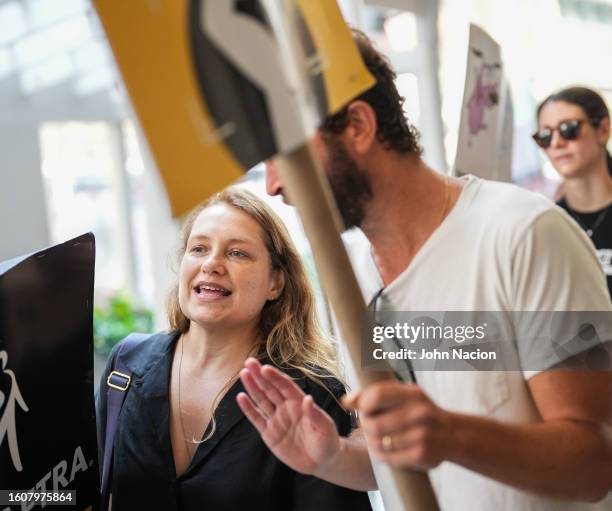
x: 47, y: 42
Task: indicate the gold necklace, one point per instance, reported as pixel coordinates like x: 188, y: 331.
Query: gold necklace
x: 182, y: 341
x: 232, y: 380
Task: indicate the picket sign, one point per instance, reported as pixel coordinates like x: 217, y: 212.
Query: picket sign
x: 406, y: 490
x: 219, y: 86
x: 484, y: 144
x: 47, y: 418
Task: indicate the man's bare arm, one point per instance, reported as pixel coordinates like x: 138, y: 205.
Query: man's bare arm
x: 567, y: 455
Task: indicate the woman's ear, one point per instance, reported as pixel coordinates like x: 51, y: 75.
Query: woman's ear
x: 277, y: 284
x: 603, y: 130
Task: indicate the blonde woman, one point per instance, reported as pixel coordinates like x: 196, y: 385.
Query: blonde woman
x: 182, y: 442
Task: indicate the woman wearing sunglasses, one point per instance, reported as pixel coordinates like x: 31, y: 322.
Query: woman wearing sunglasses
x: 573, y: 129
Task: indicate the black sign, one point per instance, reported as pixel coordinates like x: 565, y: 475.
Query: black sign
x: 47, y: 418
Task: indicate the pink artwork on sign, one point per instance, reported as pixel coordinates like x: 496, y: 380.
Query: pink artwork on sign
x: 484, y: 96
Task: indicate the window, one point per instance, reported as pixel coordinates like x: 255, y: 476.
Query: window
x: 88, y: 189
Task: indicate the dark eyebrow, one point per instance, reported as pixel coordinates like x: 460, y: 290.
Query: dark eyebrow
x: 569, y: 119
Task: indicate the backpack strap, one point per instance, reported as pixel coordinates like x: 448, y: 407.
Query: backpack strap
x: 118, y: 383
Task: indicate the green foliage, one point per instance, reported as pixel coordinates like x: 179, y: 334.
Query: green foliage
x: 117, y: 320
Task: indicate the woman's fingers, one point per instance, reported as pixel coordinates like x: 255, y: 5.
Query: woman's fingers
x: 285, y: 385
x: 276, y: 386
x: 256, y: 393
x: 317, y: 416
x: 252, y: 413
x: 270, y: 389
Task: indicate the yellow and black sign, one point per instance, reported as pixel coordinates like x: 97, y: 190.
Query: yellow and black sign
x: 220, y: 85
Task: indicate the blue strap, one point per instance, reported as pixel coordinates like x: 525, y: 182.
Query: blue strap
x: 118, y: 383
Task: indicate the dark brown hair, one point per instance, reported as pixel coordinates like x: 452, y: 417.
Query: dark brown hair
x: 394, y: 131
x: 591, y: 103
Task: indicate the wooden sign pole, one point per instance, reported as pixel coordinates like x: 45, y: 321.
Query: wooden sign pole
x: 309, y: 191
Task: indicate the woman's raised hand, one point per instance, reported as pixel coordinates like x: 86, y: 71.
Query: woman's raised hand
x: 294, y: 428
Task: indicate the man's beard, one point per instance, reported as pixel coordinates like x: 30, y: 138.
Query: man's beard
x: 350, y: 185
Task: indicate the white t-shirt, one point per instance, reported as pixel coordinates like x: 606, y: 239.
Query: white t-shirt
x: 501, y: 248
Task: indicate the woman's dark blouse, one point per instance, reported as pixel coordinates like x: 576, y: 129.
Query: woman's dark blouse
x: 233, y: 470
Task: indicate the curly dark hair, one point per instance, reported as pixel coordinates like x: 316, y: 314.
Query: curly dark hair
x: 394, y: 131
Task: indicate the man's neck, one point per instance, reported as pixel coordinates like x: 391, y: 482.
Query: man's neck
x: 590, y: 192
x: 410, y: 202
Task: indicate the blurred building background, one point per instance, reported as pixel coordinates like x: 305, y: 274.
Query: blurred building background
x: 72, y: 158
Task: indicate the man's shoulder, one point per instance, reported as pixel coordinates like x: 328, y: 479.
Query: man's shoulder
x: 511, y: 199
x: 506, y: 206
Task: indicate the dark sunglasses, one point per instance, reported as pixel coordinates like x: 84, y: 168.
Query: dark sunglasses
x: 372, y: 306
x: 569, y: 130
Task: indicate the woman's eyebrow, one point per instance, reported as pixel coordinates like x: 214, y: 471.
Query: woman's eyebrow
x: 244, y: 241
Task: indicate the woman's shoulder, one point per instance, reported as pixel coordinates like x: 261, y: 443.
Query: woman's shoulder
x: 317, y: 381
x: 326, y: 382
x: 138, y: 350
